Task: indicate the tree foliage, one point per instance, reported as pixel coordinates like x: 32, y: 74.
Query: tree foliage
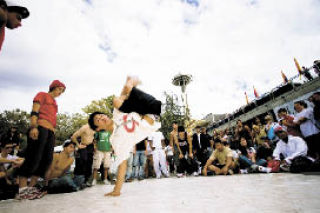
x: 16, y: 117
x: 104, y: 105
x: 172, y: 111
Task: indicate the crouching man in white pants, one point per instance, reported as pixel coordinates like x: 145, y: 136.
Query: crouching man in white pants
x: 159, y: 157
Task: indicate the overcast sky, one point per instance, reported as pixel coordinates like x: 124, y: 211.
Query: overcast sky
x: 92, y: 45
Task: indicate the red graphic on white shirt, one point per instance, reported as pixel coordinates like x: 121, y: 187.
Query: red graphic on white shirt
x: 134, y: 123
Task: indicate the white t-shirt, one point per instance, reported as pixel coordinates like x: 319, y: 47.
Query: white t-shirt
x: 307, y: 128
x: 169, y: 151
x: 156, y: 138
x: 129, y: 129
x: 9, y: 157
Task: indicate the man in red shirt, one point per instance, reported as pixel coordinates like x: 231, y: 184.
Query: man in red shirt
x: 41, y: 140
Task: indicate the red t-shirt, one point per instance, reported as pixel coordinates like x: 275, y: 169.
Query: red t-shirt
x: 48, y: 107
x: 2, y: 33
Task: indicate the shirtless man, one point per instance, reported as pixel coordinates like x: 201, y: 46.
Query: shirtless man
x: 58, y: 179
x: 132, y: 122
x: 86, y: 150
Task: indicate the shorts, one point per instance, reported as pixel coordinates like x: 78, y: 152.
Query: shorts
x: 101, y: 157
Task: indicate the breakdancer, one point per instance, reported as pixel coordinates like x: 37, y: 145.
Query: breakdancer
x: 134, y: 118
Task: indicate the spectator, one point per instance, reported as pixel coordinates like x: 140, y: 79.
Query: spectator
x: 159, y: 157
x: 149, y: 170
x: 11, y: 14
x: 184, y: 146
x: 84, y: 158
x: 129, y: 176
x: 102, y: 154
x: 220, y: 161
x: 170, y: 159
x: 248, y: 159
x: 200, y: 144
x: 172, y: 143
x: 243, y: 131
x: 270, y: 125
x: 305, y: 119
x: 315, y: 99
x: 290, y: 147
x: 287, y: 122
x: 41, y: 139
x: 10, y: 163
x: 139, y: 159
x: 3, y: 20
x: 58, y: 176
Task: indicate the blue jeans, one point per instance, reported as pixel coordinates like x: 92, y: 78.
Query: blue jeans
x: 65, y: 184
x: 139, y: 163
x: 129, y: 166
x: 246, y: 162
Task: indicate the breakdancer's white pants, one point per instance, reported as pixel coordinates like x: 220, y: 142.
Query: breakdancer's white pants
x: 159, y: 162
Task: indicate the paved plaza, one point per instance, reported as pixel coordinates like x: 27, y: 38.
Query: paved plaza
x: 237, y: 193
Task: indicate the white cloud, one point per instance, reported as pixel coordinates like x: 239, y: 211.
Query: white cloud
x: 225, y: 45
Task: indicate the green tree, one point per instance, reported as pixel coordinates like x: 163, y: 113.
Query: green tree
x: 16, y: 117
x: 172, y: 112
x: 104, y: 105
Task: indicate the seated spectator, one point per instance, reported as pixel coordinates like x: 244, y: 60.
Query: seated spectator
x: 305, y: 120
x: 287, y: 122
x: 290, y: 147
x: 186, y: 161
x: 243, y: 131
x: 8, y: 171
x: 58, y: 176
x: 269, y: 128
x: 102, y: 154
x: 248, y: 159
x: 257, y: 133
x: 220, y: 161
x: 265, y: 150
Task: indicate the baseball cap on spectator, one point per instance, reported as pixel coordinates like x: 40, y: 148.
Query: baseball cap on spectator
x: 14, y: 6
x: 67, y: 143
x: 278, y: 129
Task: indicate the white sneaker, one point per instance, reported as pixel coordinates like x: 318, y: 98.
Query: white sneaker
x: 195, y: 174
x: 243, y: 171
x: 106, y: 182
x: 179, y: 175
x: 264, y: 169
x: 94, y: 182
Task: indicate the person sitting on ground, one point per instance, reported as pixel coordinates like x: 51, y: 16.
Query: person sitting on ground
x: 290, y: 147
x: 186, y: 162
x: 8, y: 170
x: 248, y: 159
x: 220, y: 161
x: 58, y: 176
x: 134, y: 118
x: 102, y: 154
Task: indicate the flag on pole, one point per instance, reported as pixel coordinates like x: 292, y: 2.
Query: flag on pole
x: 255, y: 92
x: 245, y: 93
x: 284, y: 77
x: 298, y: 67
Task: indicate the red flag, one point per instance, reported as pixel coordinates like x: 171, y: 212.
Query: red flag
x: 255, y: 92
x: 298, y: 67
x: 284, y: 77
x: 245, y: 93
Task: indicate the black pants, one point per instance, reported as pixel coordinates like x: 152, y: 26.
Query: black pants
x: 202, y: 156
x: 189, y: 165
x: 84, y: 160
x: 39, y: 154
x: 7, y: 191
x: 170, y: 161
x: 142, y: 103
x: 313, y: 143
